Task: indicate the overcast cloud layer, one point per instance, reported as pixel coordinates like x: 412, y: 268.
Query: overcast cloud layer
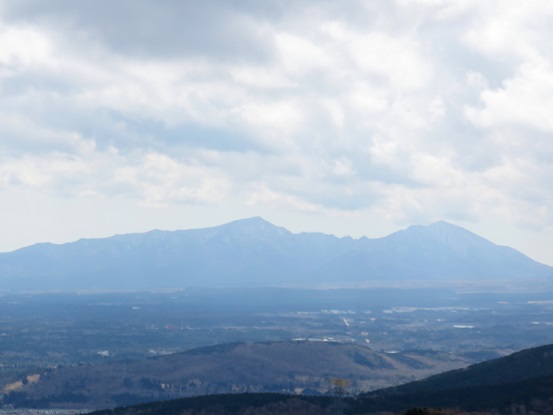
x: 346, y: 117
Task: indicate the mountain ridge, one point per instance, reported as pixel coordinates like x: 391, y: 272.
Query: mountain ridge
x: 254, y: 251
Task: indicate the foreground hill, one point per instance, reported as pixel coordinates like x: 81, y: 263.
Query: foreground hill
x: 302, y: 367
x: 523, y: 380
x: 521, y: 383
x: 520, y: 366
x: 230, y: 404
x: 277, y: 404
x: 253, y: 251
x: 532, y: 402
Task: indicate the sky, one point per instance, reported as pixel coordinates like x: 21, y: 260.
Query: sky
x: 344, y: 117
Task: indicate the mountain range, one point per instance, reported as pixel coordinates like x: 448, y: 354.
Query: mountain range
x: 255, y: 252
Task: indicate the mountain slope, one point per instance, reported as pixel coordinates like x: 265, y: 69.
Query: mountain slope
x: 517, y: 367
x: 521, y: 380
x: 532, y: 397
x: 288, y: 367
x: 438, y: 251
x: 253, y: 251
x: 521, y: 383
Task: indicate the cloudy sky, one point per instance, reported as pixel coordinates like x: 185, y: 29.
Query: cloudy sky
x: 346, y: 117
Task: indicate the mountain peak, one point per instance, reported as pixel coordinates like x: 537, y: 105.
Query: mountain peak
x: 440, y: 225
x: 254, y: 227
x: 441, y: 230
x: 443, y: 225
x: 253, y: 221
x: 446, y: 235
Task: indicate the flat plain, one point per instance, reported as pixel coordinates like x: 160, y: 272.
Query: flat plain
x: 48, y: 330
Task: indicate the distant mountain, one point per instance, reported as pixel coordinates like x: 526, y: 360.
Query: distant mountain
x: 440, y: 251
x: 300, y: 367
x: 253, y: 251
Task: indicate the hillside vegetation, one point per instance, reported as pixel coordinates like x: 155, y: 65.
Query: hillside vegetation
x: 302, y: 367
x: 520, y: 384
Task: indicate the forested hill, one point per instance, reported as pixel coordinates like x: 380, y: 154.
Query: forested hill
x: 523, y: 379
x: 518, y: 384
x: 297, y: 367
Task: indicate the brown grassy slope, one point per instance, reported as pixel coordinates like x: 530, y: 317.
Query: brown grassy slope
x: 289, y: 367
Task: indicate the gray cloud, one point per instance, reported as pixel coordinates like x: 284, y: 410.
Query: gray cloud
x: 148, y: 29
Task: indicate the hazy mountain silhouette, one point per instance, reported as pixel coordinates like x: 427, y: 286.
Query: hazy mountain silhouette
x: 253, y: 251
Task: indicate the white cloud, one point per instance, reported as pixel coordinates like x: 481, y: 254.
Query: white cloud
x: 279, y: 200
x: 22, y: 47
x: 278, y: 119
x: 162, y: 180
x: 38, y: 172
x: 524, y: 100
x: 511, y: 30
x: 299, y: 55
